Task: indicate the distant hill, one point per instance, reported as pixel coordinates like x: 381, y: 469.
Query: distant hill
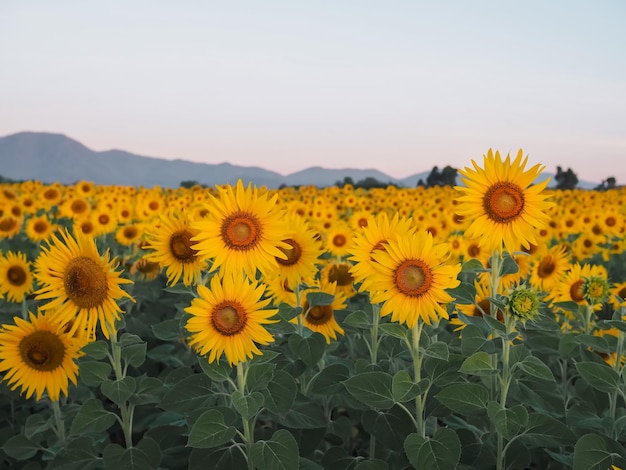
x: 56, y: 158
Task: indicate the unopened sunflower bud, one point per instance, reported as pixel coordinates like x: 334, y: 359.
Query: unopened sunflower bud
x: 523, y: 302
x: 595, y: 290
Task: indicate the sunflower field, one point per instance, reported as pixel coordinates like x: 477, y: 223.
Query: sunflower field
x: 480, y: 326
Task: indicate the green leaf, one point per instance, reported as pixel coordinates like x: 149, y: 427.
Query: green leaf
x: 600, y: 376
x: 93, y: 373
x: 279, y: 453
x: 145, y: 455
x: 286, y: 312
x: 77, y: 454
x: 91, y: 417
x: 474, y: 265
x: 373, y: 464
x: 545, y: 431
x: 119, y: 391
x: 281, y: 392
x: 20, y: 447
x: 310, y: 350
x: 395, y: 329
x: 597, y: 343
x: 464, y: 293
x: 438, y: 350
x: 35, y: 424
x: 209, y: 430
x: 319, y: 298
x: 592, y: 453
x: 567, y: 343
x: 372, y: 388
x: 304, y: 414
x: 509, y: 265
x: 218, y: 371
x: 188, y: 395
x: 97, y: 349
x: 472, y: 339
x: 259, y: 375
x: 508, y: 422
x: 442, y: 452
x: 478, y: 363
x: 495, y: 324
x: 148, y: 390
x: 328, y: 380
x: 134, y: 354
x: 404, y: 389
x: 464, y: 398
x: 358, y: 319
x: 247, y: 405
x: 168, y: 330
x: 534, y: 367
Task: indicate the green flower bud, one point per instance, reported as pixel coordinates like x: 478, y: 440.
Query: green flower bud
x: 595, y: 289
x: 523, y: 302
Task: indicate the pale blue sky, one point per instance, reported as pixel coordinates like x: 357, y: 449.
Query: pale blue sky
x: 399, y: 86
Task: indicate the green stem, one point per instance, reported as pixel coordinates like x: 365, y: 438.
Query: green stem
x: 617, y: 366
x: 505, y: 383
x: 127, y: 410
x: 374, y: 334
x: 420, y: 400
x: 248, y: 431
x: 494, y: 286
x: 59, y: 427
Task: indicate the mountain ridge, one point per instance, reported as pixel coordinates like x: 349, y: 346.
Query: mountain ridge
x: 52, y: 157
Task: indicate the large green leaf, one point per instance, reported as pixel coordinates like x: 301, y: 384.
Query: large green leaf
x: 209, y: 430
x: 545, y: 431
x: 509, y: 422
x: 441, y: 452
x: 372, y: 388
x: 78, y: 454
x: 328, y: 380
x: 438, y: 350
x: 464, y: 398
x: 310, y: 350
x: 259, y: 375
x: 478, y: 363
x: 534, y: 367
x: 600, y: 376
x: 278, y: 453
x: 91, y: 417
x: 119, y: 391
x: 20, y: 447
x: 591, y: 453
x: 358, y: 319
x: 281, y: 392
x: 93, y: 373
x: 404, y: 389
x: 247, y: 405
x: 145, y: 455
x: 188, y: 395
x: 472, y: 339
x: 96, y: 349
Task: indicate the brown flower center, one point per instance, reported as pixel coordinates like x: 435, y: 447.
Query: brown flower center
x: 293, y: 254
x: 319, y: 314
x: 576, y: 291
x: 40, y: 227
x: 130, y: 232
x: 85, y: 282
x: 546, y: 267
x: 78, y: 206
x: 340, y: 273
x: 16, y: 275
x: 42, y: 350
x: 339, y: 240
x: 180, y: 246
x: 229, y: 318
x: 413, y: 278
x: 103, y: 219
x: 503, y: 202
x: 7, y: 224
x: 241, y: 231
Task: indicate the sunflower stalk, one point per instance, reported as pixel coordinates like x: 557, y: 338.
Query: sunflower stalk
x: 618, y: 367
x: 127, y: 410
x: 248, y: 424
x: 505, y: 383
x: 494, y: 285
x: 416, y: 354
x: 375, y: 340
x: 59, y: 425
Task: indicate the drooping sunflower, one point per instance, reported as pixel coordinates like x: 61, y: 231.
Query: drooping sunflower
x: 244, y: 231
x: 412, y: 279
x: 82, y: 285
x: 503, y: 205
x: 38, y: 355
x: 171, y: 239
x: 16, y: 279
x: 228, y: 318
x: 321, y: 318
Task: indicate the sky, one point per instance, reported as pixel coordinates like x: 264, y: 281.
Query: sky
x: 395, y: 85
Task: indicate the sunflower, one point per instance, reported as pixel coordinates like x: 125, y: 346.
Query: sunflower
x: 618, y: 289
x: 9, y: 226
x: 550, y: 268
x: 570, y: 285
x: 171, y: 239
x: 16, y: 279
x: 244, y: 231
x: 82, y: 285
x: 38, y: 356
x: 39, y: 228
x: 480, y: 307
x: 129, y: 234
x: 501, y: 203
x: 338, y: 239
x: 302, y: 255
x: 321, y: 318
x: 228, y: 318
x: 339, y: 272
x: 412, y: 279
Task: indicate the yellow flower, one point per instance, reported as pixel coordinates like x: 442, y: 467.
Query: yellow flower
x: 501, y: 203
x: 547, y: 271
x: 82, y: 286
x: 244, y: 231
x: 321, y: 318
x: 171, y: 239
x: 411, y: 279
x: 16, y: 280
x: 39, y: 228
x: 38, y: 356
x: 228, y: 318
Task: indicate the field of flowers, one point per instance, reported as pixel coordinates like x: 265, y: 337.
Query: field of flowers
x: 236, y: 327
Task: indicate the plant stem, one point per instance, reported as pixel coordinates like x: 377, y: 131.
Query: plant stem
x: 374, y: 333
x: 127, y: 409
x: 248, y: 431
x: 59, y: 427
x: 617, y: 366
x: 420, y: 400
x: 505, y: 383
x: 494, y: 286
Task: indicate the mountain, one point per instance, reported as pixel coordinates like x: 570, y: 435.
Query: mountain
x: 56, y: 158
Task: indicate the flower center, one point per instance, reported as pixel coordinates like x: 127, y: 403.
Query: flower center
x: 229, y: 318
x: 546, y: 267
x: 610, y: 221
x: 413, y: 278
x: 339, y: 240
x: 50, y: 194
x: 78, y: 206
x: 85, y: 282
x: 7, y: 224
x: 503, y: 202
x: 130, y: 232
x: 42, y: 350
x: 180, y: 246
x: 103, y: 219
x: 340, y: 274
x: 16, y: 275
x: 576, y: 291
x: 473, y: 250
x: 319, y: 314
x: 241, y: 231
x: 293, y: 254
x: 40, y: 227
